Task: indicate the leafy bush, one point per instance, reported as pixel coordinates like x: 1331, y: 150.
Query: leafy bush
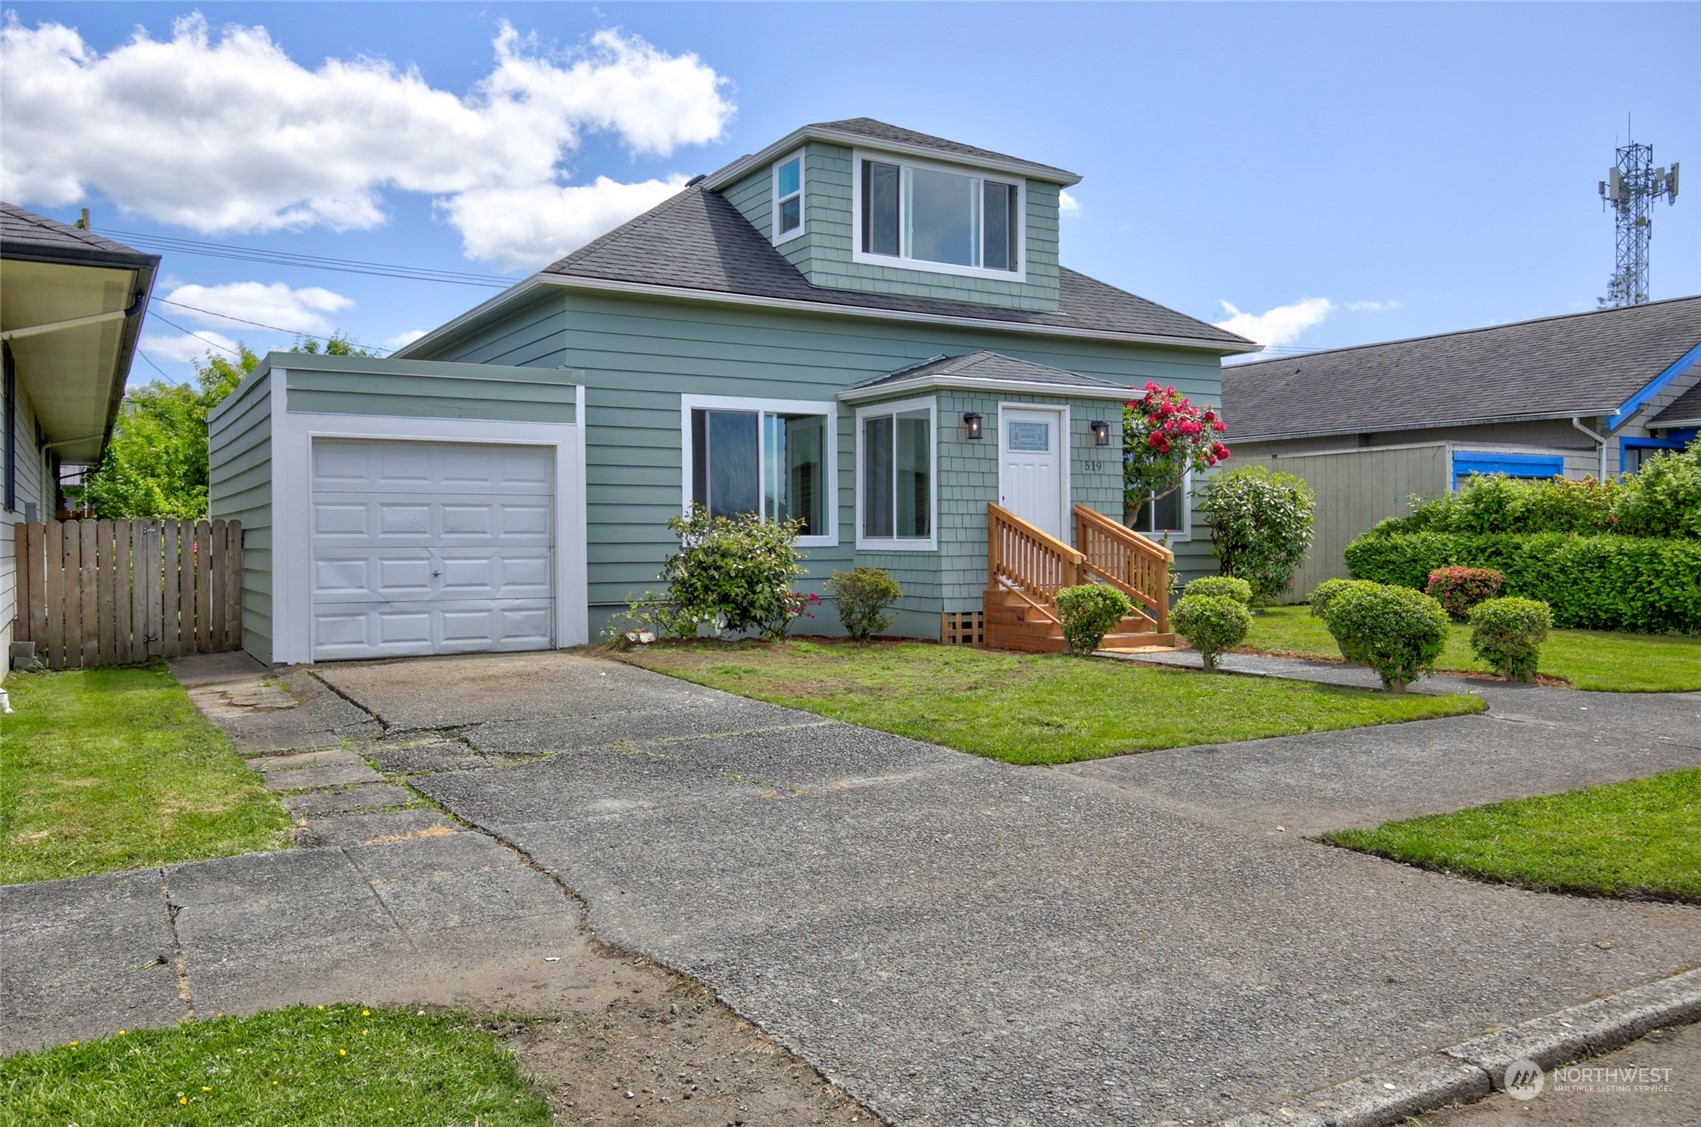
x: 732, y: 574
x: 1237, y: 589
x: 1260, y: 526
x: 1088, y: 612
x: 863, y: 595
x: 1591, y: 582
x: 1211, y: 623
x: 1396, y: 631
x: 1508, y: 634
x: 1326, y: 593
x: 1458, y: 589
x: 1666, y: 499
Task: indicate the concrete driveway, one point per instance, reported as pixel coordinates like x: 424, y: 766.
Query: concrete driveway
x: 955, y: 940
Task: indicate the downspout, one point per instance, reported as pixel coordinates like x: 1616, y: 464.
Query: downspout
x: 1577, y: 421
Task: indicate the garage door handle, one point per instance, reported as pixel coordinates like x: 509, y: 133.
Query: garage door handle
x: 435, y: 574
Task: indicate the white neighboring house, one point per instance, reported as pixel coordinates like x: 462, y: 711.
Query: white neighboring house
x: 71, y: 310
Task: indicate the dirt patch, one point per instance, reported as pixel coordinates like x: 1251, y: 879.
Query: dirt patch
x: 646, y: 1046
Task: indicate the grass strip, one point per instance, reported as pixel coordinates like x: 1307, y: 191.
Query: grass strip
x: 347, y: 1065
x: 1636, y: 839
x: 108, y: 769
x: 1030, y: 708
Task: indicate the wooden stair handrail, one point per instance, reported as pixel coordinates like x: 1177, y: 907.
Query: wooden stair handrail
x: 1028, y: 561
x: 1127, y: 561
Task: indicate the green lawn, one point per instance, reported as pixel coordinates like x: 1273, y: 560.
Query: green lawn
x: 108, y: 769
x: 341, y: 1065
x: 1587, y: 659
x: 1030, y: 708
x: 1640, y: 838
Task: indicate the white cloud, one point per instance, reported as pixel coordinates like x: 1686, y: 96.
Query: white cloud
x: 1372, y: 306
x: 1278, y: 326
x: 526, y: 228
x: 246, y: 304
x: 402, y: 340
x: 1067, y: 205
x: 187, y: 349
x: 224, y: 132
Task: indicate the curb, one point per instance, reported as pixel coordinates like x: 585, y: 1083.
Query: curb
x: 1473, y: 1069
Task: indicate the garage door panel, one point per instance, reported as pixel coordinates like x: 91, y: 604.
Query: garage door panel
x: 431, y: 548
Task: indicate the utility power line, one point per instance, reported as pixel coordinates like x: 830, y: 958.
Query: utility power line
x: 144, y: 241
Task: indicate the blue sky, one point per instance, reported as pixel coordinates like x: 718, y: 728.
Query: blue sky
x: 1342, y: 173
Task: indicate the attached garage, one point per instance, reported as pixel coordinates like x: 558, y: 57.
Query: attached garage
x: 400, y: 508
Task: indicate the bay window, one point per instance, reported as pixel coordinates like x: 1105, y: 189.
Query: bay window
x: 895, y: 476
x: 770, y: 457
x: 960, y: 221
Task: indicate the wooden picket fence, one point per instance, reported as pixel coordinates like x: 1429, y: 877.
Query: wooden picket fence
x: 109, y: 592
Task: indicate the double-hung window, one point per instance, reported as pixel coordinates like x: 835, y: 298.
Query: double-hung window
x: 955, y: 221
x: 773, y: 457
x: 1167, y: 516
x: 896, y: 476
x: 788, y: 197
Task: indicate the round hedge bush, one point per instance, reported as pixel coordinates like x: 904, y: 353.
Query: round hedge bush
x: 1458, y: 589
x: 1211, y: 623
x: 1088, y: 612
x: 1396, y: 631
x: 1237, y: 589
x: 1508, y: 635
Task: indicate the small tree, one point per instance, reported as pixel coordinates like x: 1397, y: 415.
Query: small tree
x: 1508, y: 635
x: 1211, y: 624
x: 1164, y: 437
x: 1260, y: 526
x: 1396, y: 631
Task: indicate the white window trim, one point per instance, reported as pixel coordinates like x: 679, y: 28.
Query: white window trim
x: 896, y: 543
x: 899, y: 262
x: 1066, y: 440
x: 1185, y: 532
x: 293, y: 433
x: 802, y: 197
x: 826, y: 408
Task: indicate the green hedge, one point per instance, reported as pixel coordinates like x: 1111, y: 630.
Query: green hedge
x: 1591, y: 582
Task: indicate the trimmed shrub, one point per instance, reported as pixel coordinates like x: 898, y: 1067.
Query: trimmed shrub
x: 1666, y: 498
x: 864, y: 596
x: 1590, y: 582
x: 1396, y: 631
x: 1326, y: 593
x: 1237, y: 589
x: 731, y: 574
x: 1508, y: 635
x: 1088, y: 612
x: 1211, y: 623
x: 1260, y: 526
x: 1497, y: 503
x: 1458, y: 589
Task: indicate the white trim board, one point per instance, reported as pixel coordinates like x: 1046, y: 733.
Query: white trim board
x: 895, y: 543
x: 292, y: 497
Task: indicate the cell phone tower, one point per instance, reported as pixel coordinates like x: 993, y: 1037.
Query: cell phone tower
x: 1630, y: 189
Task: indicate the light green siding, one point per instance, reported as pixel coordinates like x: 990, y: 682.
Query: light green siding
x: 824, y: 252
x: 637, y: 356
x: 30, y: 461
x: 239, y: 447
x: 546, y: 398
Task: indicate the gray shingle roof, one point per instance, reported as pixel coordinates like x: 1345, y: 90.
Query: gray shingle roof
x: 696, y: 240
x: 987, y: 365
x: 1555, y: 367
x: 1686, y: 408
x: 25, y: 230
x: 877, y: 131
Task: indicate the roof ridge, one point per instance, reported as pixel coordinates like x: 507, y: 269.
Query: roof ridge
x: 1462, y: 332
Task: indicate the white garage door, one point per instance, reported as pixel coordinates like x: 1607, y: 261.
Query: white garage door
x: 430, y: 547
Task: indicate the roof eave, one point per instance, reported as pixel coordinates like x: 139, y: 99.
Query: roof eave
x: 569, y: 281
x: 738, y: 169
x: 949, y: 382
x: 1432, y: 424
x: 1646, y: 393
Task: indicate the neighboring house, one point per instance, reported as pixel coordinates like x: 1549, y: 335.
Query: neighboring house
x: 71, y: 309
x: 1589, y: 394
x: 859, y: 326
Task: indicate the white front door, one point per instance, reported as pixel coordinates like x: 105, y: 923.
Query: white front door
x: 430, y: 547
x: 1033, y: 461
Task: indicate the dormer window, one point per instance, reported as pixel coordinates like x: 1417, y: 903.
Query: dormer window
x: 938, y: 218
x: 788, y: 197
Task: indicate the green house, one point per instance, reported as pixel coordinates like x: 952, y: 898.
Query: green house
x: 860, y: 326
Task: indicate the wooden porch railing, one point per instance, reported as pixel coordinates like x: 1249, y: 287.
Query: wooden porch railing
x: 1127, y: 561
x: 1028, y: 562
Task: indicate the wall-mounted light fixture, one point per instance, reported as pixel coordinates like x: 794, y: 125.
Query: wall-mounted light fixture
x: 1101, y: 432
x: 971, y: 426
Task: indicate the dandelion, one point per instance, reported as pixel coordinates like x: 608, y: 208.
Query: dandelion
x: 181, y: 1098
x: 363, y: 1032
x: 74, y: 1044
x: 204, y: 1088
x: 342, y: 1052
x: 365, y: 1013
x: 121, y: 1033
